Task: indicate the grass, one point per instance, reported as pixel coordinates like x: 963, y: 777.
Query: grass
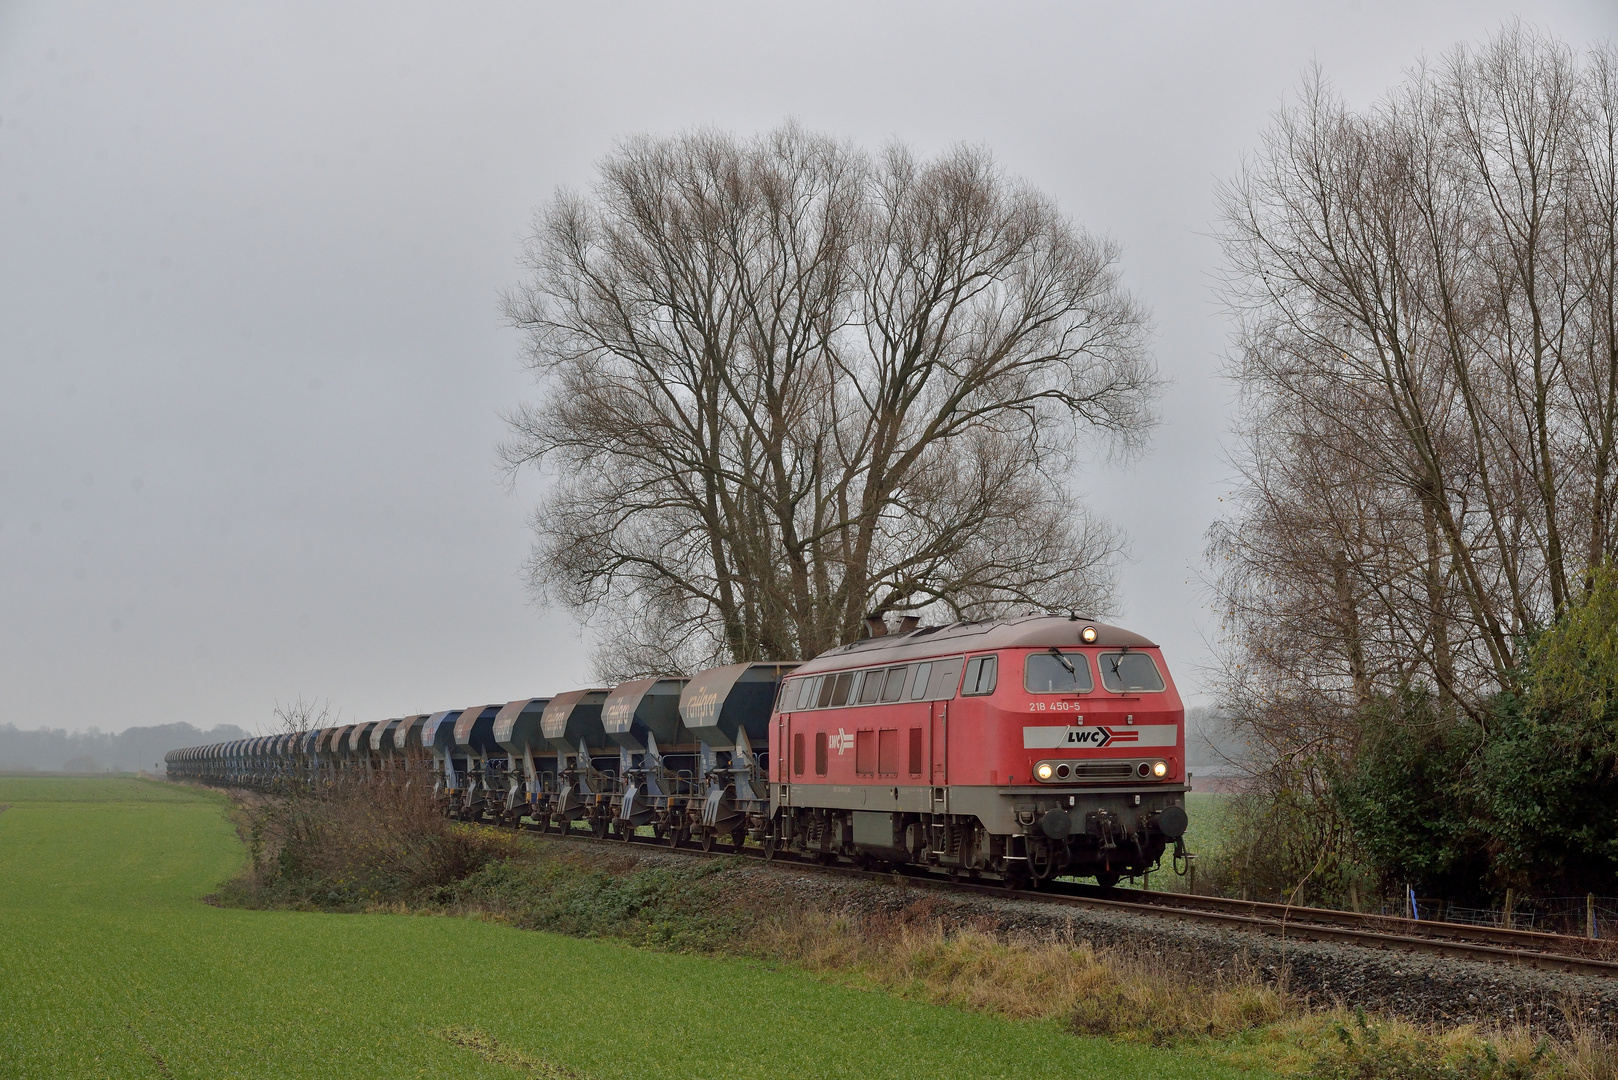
x: 1209, y: 821
x: 112, y: 967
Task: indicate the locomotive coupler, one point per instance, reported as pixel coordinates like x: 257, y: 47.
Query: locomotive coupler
x: 1104, y: 825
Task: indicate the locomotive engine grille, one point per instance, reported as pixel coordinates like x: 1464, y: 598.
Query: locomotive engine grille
x: 1103, y: 770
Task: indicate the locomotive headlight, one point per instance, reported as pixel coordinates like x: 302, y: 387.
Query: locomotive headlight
x: 1160, y: 769
x: 1089, y: 635
x: 1044, y: 770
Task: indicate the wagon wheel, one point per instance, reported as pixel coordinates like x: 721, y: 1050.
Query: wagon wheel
x: 738, y: 839
x: 673, y: 836
x: 626, y: 831
x: 600, y: 826
x: 707, y: 839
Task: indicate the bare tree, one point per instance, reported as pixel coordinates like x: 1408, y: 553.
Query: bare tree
x: 790, y: 383
x: 1427, y: 358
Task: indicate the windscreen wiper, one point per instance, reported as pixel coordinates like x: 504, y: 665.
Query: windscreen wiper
x: 1060, y: 659
x: 1116, y: 657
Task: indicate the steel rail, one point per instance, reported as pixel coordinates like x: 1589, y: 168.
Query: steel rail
x: 1537, y: 950
x: 1525, y: 940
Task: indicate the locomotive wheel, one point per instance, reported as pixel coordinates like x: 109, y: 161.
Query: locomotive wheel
x: 1106, y: 880
x: 770, y: 843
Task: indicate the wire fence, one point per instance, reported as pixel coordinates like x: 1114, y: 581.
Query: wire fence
x: 1586, y: 916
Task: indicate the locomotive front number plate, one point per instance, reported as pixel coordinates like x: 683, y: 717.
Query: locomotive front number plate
x: 1094, y: 738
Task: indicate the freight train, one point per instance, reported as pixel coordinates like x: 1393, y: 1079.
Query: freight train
x: 1018, y: 750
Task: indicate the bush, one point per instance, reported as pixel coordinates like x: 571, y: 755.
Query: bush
x: 364, y: 840
x: 1551, y: 767
x: 1285, y: 841
x: 1527, y: 799
x: 1410, y: 796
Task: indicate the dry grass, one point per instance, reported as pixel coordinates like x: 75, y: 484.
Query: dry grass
x: 1236, y: 1016
x: 1023, y: 977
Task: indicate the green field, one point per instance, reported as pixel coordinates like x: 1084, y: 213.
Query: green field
x: 111, y: 967
x: 1207, y: 811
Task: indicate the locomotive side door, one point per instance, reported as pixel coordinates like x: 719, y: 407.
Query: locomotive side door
x: 783, y: 751
x: 940, y: 744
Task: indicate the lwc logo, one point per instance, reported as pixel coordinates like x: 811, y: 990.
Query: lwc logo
x: 840, y: 742
x: 1093, y: 737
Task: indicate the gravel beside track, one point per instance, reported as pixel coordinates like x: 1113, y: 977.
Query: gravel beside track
x: 1412, y: 986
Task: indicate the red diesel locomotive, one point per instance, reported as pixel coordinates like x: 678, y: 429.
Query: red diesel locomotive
x: 1023, y: 749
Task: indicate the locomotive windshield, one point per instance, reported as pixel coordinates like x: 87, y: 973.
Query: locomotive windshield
x: 1057, y: 673
x: 1129, y: 673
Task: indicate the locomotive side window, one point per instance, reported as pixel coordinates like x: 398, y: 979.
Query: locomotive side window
x: 980, y: 676
x: 871, y: 687
x: 823, y: 698
x: 820, y: 753
x: 895, y: 688
x: 1129, y: 672
x: 797, y: 753
x: 840, y: 688
x: 915, y: 751
x: 806, y: 693
x: 1050, y: 673
x: 918, y: 689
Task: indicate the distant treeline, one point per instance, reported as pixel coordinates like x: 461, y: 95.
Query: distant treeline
x: 53, y: 750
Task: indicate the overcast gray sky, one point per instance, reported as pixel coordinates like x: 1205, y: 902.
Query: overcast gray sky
x: 251, y: 363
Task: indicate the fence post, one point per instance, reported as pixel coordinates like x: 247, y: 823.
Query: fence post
x: 1590, y: 915
x: 1415, y: 912
x: 1511, y: 896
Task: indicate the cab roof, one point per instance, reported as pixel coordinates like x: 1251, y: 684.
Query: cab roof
x: 1027, y: 632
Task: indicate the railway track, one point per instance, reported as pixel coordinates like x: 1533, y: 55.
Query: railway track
x: 1455, y: 941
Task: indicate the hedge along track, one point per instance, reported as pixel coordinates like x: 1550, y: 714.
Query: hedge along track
x: 1454, y: 941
